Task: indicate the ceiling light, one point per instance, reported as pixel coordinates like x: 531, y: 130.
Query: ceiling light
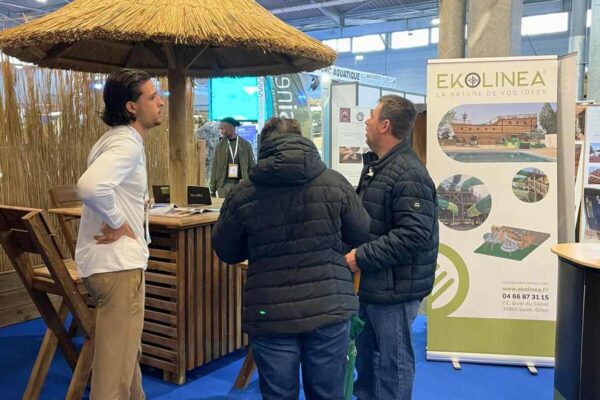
x: 435, y: 21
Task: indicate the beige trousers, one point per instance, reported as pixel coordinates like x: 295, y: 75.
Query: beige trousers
x: 116, y: 371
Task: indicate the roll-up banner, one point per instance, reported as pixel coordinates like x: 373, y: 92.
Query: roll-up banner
x: 492, y: 154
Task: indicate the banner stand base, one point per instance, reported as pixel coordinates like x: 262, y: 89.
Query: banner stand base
x: 456, y: 358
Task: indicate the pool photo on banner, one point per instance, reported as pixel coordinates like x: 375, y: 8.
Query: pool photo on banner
x: 507, y: 132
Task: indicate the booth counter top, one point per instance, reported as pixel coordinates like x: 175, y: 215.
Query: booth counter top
x: 172, y: 221
x: 582, y: 254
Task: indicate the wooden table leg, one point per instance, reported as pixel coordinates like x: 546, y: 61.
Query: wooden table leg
x: 44, y: 359
x: 246, y: 372
x: 82, y: 371
x: 174, y: 377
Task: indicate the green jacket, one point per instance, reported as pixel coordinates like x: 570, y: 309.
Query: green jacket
x: 221, y: 159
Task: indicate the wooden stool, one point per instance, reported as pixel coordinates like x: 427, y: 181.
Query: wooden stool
x: 67, y: 196
x: 25, y: 234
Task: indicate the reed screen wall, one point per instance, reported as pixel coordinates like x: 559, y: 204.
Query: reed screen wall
x: 48, y: 124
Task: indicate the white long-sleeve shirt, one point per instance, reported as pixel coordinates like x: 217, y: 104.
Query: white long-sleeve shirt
x: 113, y: 190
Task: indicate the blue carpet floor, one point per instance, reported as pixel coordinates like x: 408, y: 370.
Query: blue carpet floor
x: 434, y: 380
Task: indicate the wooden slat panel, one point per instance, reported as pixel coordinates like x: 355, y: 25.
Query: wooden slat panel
x: 161, y: 241
x: 161, y: 304
x: 244, y: 336
x: 159, y: 340
x: 153, y: 362
x: 231, y: 307
x: 208, y: 298
x: 14, y: 315
x: 161, y: 278
x: 224, y: 308
x: 216, y: 311
x: 9, y: 280
x: 150, y: 351
x: 162, y: 317
x: 181, y: 300
x: 152, y: 327
x: 199, y: 300
x: 164, y: 254
x: 161, y: 291
x: 238, y: 308
x: 190, y: 312
x: 162, y: 266
x: 14, y: 298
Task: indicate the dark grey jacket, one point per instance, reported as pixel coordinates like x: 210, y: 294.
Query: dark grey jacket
x: 291, y: 221
x: 399, y: 262
x: 218, y: 171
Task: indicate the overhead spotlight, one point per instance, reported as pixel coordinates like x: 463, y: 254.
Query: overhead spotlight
x: 359, y: 57
x: 435, y: 21
x: 42, y: 1
x: 325, y: 78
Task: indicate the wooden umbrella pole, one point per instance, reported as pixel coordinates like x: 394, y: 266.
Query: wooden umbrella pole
x: 178, y: 140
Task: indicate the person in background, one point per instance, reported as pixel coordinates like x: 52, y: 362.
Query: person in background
x: 233, y: 159
x: 292, y: 221
x: 112, y: 244
x: 398, y: 263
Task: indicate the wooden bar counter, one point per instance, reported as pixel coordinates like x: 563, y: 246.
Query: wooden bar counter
x: 193, y: 299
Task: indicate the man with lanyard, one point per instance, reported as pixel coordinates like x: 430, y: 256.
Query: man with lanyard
x: 112, y: 245
x: 232, y: 161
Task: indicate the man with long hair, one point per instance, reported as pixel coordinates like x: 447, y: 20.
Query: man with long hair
x: 112, y: 245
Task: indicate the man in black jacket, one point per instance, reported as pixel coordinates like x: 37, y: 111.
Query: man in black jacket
x: 293, y: 220
x: 398, y: 264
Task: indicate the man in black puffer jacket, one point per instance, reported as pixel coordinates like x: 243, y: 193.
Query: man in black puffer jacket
x: 293, y: 221
x: 398, y: 264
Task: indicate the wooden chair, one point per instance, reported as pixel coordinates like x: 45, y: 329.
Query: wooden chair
x: 67, y: 196
x: 25, y: 234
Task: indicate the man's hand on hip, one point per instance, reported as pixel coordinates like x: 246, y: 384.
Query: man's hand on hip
x: 351, y: 261
x: 110, y: 235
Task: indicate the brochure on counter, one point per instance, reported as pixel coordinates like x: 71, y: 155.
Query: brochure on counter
x: 172, y: 210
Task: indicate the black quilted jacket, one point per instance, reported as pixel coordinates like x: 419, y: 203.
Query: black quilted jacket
x: 399, y: 262
x: 291, y: 221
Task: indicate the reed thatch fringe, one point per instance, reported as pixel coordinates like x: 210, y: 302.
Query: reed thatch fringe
x: 48, y: 124
x: 218, y: 23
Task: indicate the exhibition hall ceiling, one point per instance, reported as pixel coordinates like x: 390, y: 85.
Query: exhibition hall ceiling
x: 306, y: 15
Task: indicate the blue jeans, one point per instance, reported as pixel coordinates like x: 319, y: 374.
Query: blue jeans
x: 386, y: 361
x: 322, y: 354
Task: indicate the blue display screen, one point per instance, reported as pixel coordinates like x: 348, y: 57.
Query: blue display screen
x: 249, y: 132
x: 234, y: 97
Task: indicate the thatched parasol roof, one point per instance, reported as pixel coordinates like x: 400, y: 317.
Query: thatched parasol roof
x: 177, y: 38
x: 206, y: 37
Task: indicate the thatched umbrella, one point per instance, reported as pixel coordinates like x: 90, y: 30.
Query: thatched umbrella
x: 176, y: 38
